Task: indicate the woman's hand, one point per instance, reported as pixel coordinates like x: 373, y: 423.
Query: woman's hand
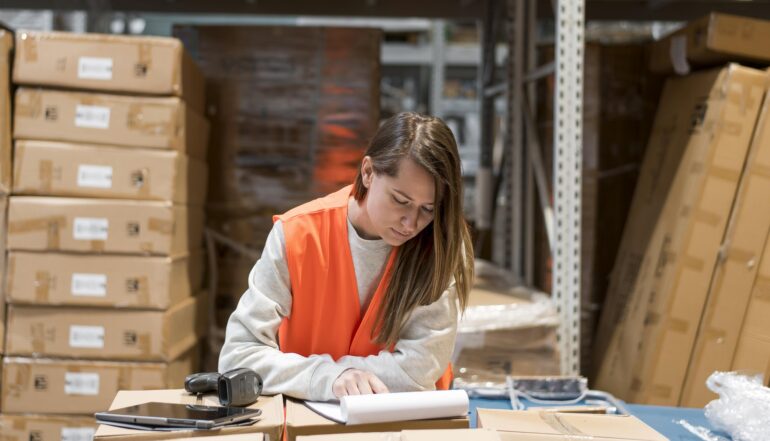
x: 358, y: 382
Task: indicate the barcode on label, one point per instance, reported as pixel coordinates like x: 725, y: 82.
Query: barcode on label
x: 92, y: 117
x: 93, y: 68
x: 81, y: 383
x: 96, y: 176
x: 91, y: 285
x: 77, y: 434
x: 90, y: 228
x: 87, y: 337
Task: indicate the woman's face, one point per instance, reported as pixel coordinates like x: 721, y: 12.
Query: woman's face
x: 398, y: 207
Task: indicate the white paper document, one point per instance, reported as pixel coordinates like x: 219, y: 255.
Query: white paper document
x: 403, y: 406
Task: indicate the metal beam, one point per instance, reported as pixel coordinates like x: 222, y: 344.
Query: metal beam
x: 568, y: 162
x: 458, y: 9
x: 633, y: 10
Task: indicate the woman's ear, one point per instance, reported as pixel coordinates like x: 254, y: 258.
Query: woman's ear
x: 367, y: 172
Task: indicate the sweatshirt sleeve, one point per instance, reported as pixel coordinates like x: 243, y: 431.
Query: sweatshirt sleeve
x: 251, y: 336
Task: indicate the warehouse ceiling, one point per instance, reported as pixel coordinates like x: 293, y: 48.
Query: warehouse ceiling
x: 595, y: 9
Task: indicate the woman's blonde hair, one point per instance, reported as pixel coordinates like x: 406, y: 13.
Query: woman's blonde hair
x: 426, y: 263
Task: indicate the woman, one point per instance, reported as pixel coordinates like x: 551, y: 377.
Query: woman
x: 357, y: 292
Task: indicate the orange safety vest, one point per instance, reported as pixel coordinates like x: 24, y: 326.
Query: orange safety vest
x: 325, y: 313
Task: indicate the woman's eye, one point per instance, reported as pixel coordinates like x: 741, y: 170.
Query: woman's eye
x: 400, y: 201
x: 427, y: 210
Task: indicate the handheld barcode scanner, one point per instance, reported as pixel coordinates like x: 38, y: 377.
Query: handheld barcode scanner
x: 238, y: 387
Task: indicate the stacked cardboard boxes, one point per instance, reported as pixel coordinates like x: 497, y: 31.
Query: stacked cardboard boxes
x: 690, y: 282
x: 6, y: 47
x: 292, y: 110
x: 105, y: 222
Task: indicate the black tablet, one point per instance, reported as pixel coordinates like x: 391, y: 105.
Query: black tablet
x: 177, y: 415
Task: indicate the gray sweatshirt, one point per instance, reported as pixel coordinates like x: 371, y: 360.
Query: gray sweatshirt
x: 419, y: 358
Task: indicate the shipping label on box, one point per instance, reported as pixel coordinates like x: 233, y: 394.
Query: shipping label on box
x: 102, y: 225
x: 131, y: 121
x: 133, y: 64
x: 270, y: 421
x: 47, y: 428
x: 95, y: 280
x: 106, y: 334
x: 46, y: 168
x: 712, y: 114
x: 6, y: 48
x: 82, y: 387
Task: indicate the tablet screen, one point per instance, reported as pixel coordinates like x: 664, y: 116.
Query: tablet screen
x: 183, y: 411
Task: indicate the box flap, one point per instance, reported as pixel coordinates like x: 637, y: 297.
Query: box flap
x: 567, y: 425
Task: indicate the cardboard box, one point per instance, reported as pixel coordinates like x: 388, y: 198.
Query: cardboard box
x: 132, y: 121
x: 505, y: 330
x: 411, y: 435
x: 3, y: 234
x: 734, y: 273
x: 714, y: 39
x: 103, y: 225
x: 47, y: 168
x: 106, y: 334
x: 131, y: 64
x: 670, y: 252
x: 42, y: 385
x: 47, y: 428
x: 752, y: 352
x: 95, y: 280
x: 6, y: 48
x: 301, y: 421
x: 533, y: 425
x: 270, y: 423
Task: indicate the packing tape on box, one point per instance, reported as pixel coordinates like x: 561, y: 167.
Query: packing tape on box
x: 97, y: 246
x: 162, y: 226
x: 18, y: 162
x: 143, y: 291
x: 37, y: 334
x: 124, y: 378
x: 561, y: 425
x: 42, y: 286
x: 144, y: 343
x: 20, y: 424
x: 9, y: 275
x: 135, y: 120
x: 28, y: 45
x: 708, y: 218
x: 52, y: 224
x: 22, y: 380
x: 760, y: 169
x: 144, y: 186
x: 761, y: 289
x: 29, y: 103
x: 144, y: 57
x: 45, y: 174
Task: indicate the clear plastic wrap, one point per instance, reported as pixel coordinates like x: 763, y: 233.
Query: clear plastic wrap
x: 743, y: 407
